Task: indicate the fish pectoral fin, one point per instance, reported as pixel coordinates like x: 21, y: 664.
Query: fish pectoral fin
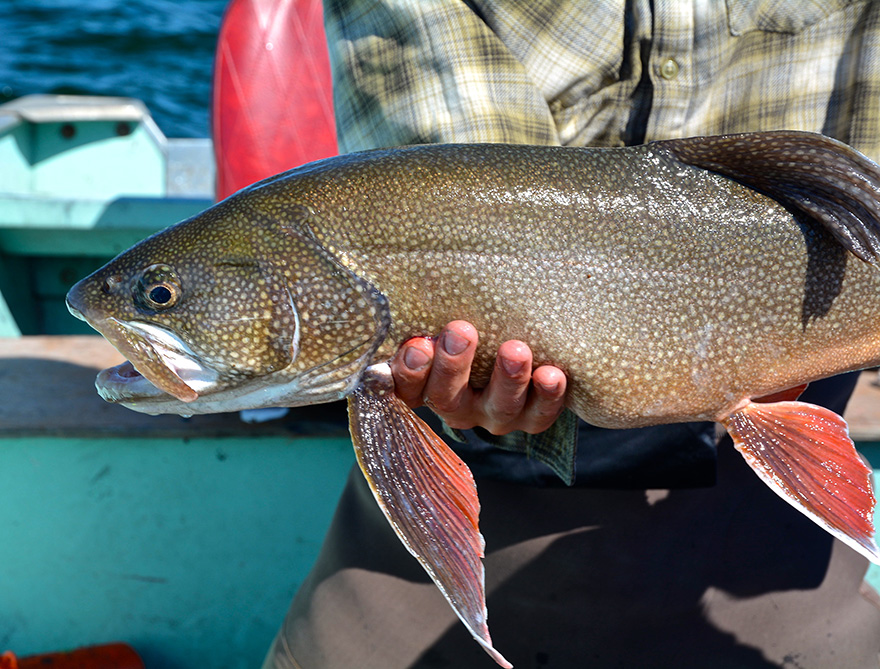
x: 427, y: 494
x: 827, y: 180
x: 804, y: 453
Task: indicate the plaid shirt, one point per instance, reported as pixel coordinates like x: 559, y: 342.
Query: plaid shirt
x: 603, y: 73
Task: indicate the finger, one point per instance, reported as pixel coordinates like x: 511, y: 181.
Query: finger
x: 447, y: 390
x: 546, y: 399
x: 504, y: 398
x: 410, y: 369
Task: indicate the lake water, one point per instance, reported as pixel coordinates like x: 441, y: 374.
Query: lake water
x: 159, y: 51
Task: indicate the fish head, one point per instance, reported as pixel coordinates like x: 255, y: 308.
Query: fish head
x: 239, y: 307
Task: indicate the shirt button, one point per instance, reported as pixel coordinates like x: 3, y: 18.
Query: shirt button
x: 669, y: 69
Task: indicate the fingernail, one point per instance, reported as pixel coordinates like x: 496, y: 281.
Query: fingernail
x: 454, y: 344
x: 548, y: 388
x: 415, y: 358
x: 512, y: 367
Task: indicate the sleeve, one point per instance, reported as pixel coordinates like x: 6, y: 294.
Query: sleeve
x: 413, y: 72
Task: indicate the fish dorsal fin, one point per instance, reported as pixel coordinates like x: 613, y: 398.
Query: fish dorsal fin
x: 804, y: 453
x: 825, y: 179
x: 427, y: 494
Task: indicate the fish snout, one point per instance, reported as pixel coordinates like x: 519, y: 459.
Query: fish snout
x: 85, y: 299
x: 73, y: 310
x: 75, y: 302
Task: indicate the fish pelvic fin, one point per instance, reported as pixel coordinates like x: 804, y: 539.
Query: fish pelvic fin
x: 556, y: 446
x: 821, y: 177
x: 427, y: 493
x: 804, y: 453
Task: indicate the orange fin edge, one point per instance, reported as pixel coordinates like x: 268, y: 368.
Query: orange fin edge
x: 803, y: 452
x: 427, y: 494
x: 787, y: 395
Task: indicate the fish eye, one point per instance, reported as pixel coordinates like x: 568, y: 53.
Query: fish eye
x: 158, y: 288
x: 161, y: 294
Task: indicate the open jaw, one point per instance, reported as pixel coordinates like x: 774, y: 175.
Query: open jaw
x: 124, y: 383
x: 159, y: 364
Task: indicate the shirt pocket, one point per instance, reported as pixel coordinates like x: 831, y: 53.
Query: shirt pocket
x: 779, y: 16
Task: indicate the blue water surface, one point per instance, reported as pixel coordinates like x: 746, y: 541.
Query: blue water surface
x: 160, y: 51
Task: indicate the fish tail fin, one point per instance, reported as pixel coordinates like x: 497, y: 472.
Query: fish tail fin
x: 426, y: 493
x: 821, y: 177
x: 804, y: 453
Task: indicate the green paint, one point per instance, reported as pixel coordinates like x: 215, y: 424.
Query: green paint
x: 82, y: 159
x: 190, y: 550
x: 8, y: 326
x: 84, y: 177
x: 871, y: 450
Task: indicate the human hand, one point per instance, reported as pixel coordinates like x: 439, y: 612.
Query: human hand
x: 436, y: 373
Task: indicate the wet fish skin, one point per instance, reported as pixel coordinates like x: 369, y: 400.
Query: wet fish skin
x: 664, y: 291
x: 671, y: 272
x: 678, y: 281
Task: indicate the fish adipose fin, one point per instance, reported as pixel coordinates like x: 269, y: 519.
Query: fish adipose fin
x: 427, y: 494
x: 825, y: 179
x: 804, y: 453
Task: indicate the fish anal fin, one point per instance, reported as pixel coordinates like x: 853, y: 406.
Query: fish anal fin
x: 787, y: 395
x: 825, y: 179
x: 426, y: 492
x: 804, y: 453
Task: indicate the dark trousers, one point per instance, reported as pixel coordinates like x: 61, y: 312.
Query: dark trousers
x: 728, y: 576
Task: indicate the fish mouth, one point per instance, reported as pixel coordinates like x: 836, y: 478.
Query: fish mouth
x: 158, y: 364
x: 123, y: 383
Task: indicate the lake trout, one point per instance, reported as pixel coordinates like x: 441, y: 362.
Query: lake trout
x: 684, y: 280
